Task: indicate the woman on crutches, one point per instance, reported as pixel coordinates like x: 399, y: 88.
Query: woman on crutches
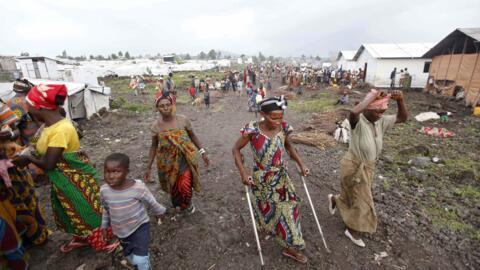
x: 274, y: 199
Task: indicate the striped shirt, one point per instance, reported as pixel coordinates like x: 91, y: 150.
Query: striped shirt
x: 7, y: 116
x: 125, y: 209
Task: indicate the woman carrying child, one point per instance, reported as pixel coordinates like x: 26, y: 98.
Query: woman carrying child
x: 176, y: 147
x: 17, y: 185
x: 274, y: 198
x: 75, y: 192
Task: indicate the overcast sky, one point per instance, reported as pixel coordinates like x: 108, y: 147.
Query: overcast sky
x: 279, y: 28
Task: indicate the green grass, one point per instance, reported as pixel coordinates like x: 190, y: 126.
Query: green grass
x: 120, y: 85
x: 468, y: 192
x: 183, y: 98
x: 183, y: 79
x: 449, y: 219
x: 121, y: 103
x: 320, y: 102
x: 461, y: 162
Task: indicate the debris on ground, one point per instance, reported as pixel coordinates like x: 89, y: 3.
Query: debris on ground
x: 425, y: 116
x: 315, y: 138
x: 437, y: 132
x: 380, y: 256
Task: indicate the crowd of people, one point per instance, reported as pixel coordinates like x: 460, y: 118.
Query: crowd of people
x: 297, y: 78
x: 38, y: 141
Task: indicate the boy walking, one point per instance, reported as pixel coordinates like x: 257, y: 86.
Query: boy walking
x: 123, y: 201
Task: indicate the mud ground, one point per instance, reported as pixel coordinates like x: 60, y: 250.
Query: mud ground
x: 426, y: 222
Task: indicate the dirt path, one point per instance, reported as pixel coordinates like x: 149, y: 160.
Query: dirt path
x: 219, y: 234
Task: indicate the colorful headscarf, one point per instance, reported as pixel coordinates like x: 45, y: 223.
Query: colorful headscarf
x: 164, y: 95
x: 47, y: 96
x: 380, y: 103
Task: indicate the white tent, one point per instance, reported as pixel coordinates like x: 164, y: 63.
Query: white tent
x: 83, y: 100
x: 380, y: 59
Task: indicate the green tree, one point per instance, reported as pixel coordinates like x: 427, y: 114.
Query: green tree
x: 188, y: 57
x: 202, y: 55
x: 127, y: 55
x: 92, y: 57
x: 114, y: 56
x: 212, y: 54
x: 24, y: 54
x: 120, y: 54
x: 318, y: 58
x: 219, y: 55
x: 271, y: 58
x: 64, y: 54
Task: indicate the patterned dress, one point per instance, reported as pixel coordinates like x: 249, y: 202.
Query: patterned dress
x: 21, y: 195
x: 12, y: 252
x: 177, y: 162
x: 275, y: 202
x: 28, y: 128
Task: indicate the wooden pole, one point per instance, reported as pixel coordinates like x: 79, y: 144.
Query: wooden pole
x: 449, y: 60
x: 467, y: 89
x: 461, y: 59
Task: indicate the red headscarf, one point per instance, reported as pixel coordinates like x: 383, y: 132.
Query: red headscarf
x: 380, y: 103
x: 159, y: 96
x: 44, y: 96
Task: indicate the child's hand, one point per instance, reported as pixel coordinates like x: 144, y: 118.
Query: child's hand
x: 146, y: 176
x: 159, y: 220
x: 21, y: 161
x: 104, y: 235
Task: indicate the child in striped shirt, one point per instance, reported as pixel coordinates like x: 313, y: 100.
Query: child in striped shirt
x: 123, y: 200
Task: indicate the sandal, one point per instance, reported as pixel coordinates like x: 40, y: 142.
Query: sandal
x: 299, y: 257
x: 73, y: 244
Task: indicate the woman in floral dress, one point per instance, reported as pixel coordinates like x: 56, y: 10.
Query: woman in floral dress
x: 275, y: 202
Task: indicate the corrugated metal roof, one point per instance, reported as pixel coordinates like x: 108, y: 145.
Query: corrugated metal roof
x: 395, y: 50
x: 471, y: 32
x: 447, y: 44
x: 347, y: 54
x: 35, y: 57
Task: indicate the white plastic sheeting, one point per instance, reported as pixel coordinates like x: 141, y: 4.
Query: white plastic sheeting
x: 425, y: 116
x: 84, y: 100
x: 146, y: 66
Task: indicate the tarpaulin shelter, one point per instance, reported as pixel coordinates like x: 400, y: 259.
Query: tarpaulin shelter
x: 455, y: 64
x: 84, y: 100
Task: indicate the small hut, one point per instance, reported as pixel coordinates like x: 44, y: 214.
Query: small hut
x: 455, y: 65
